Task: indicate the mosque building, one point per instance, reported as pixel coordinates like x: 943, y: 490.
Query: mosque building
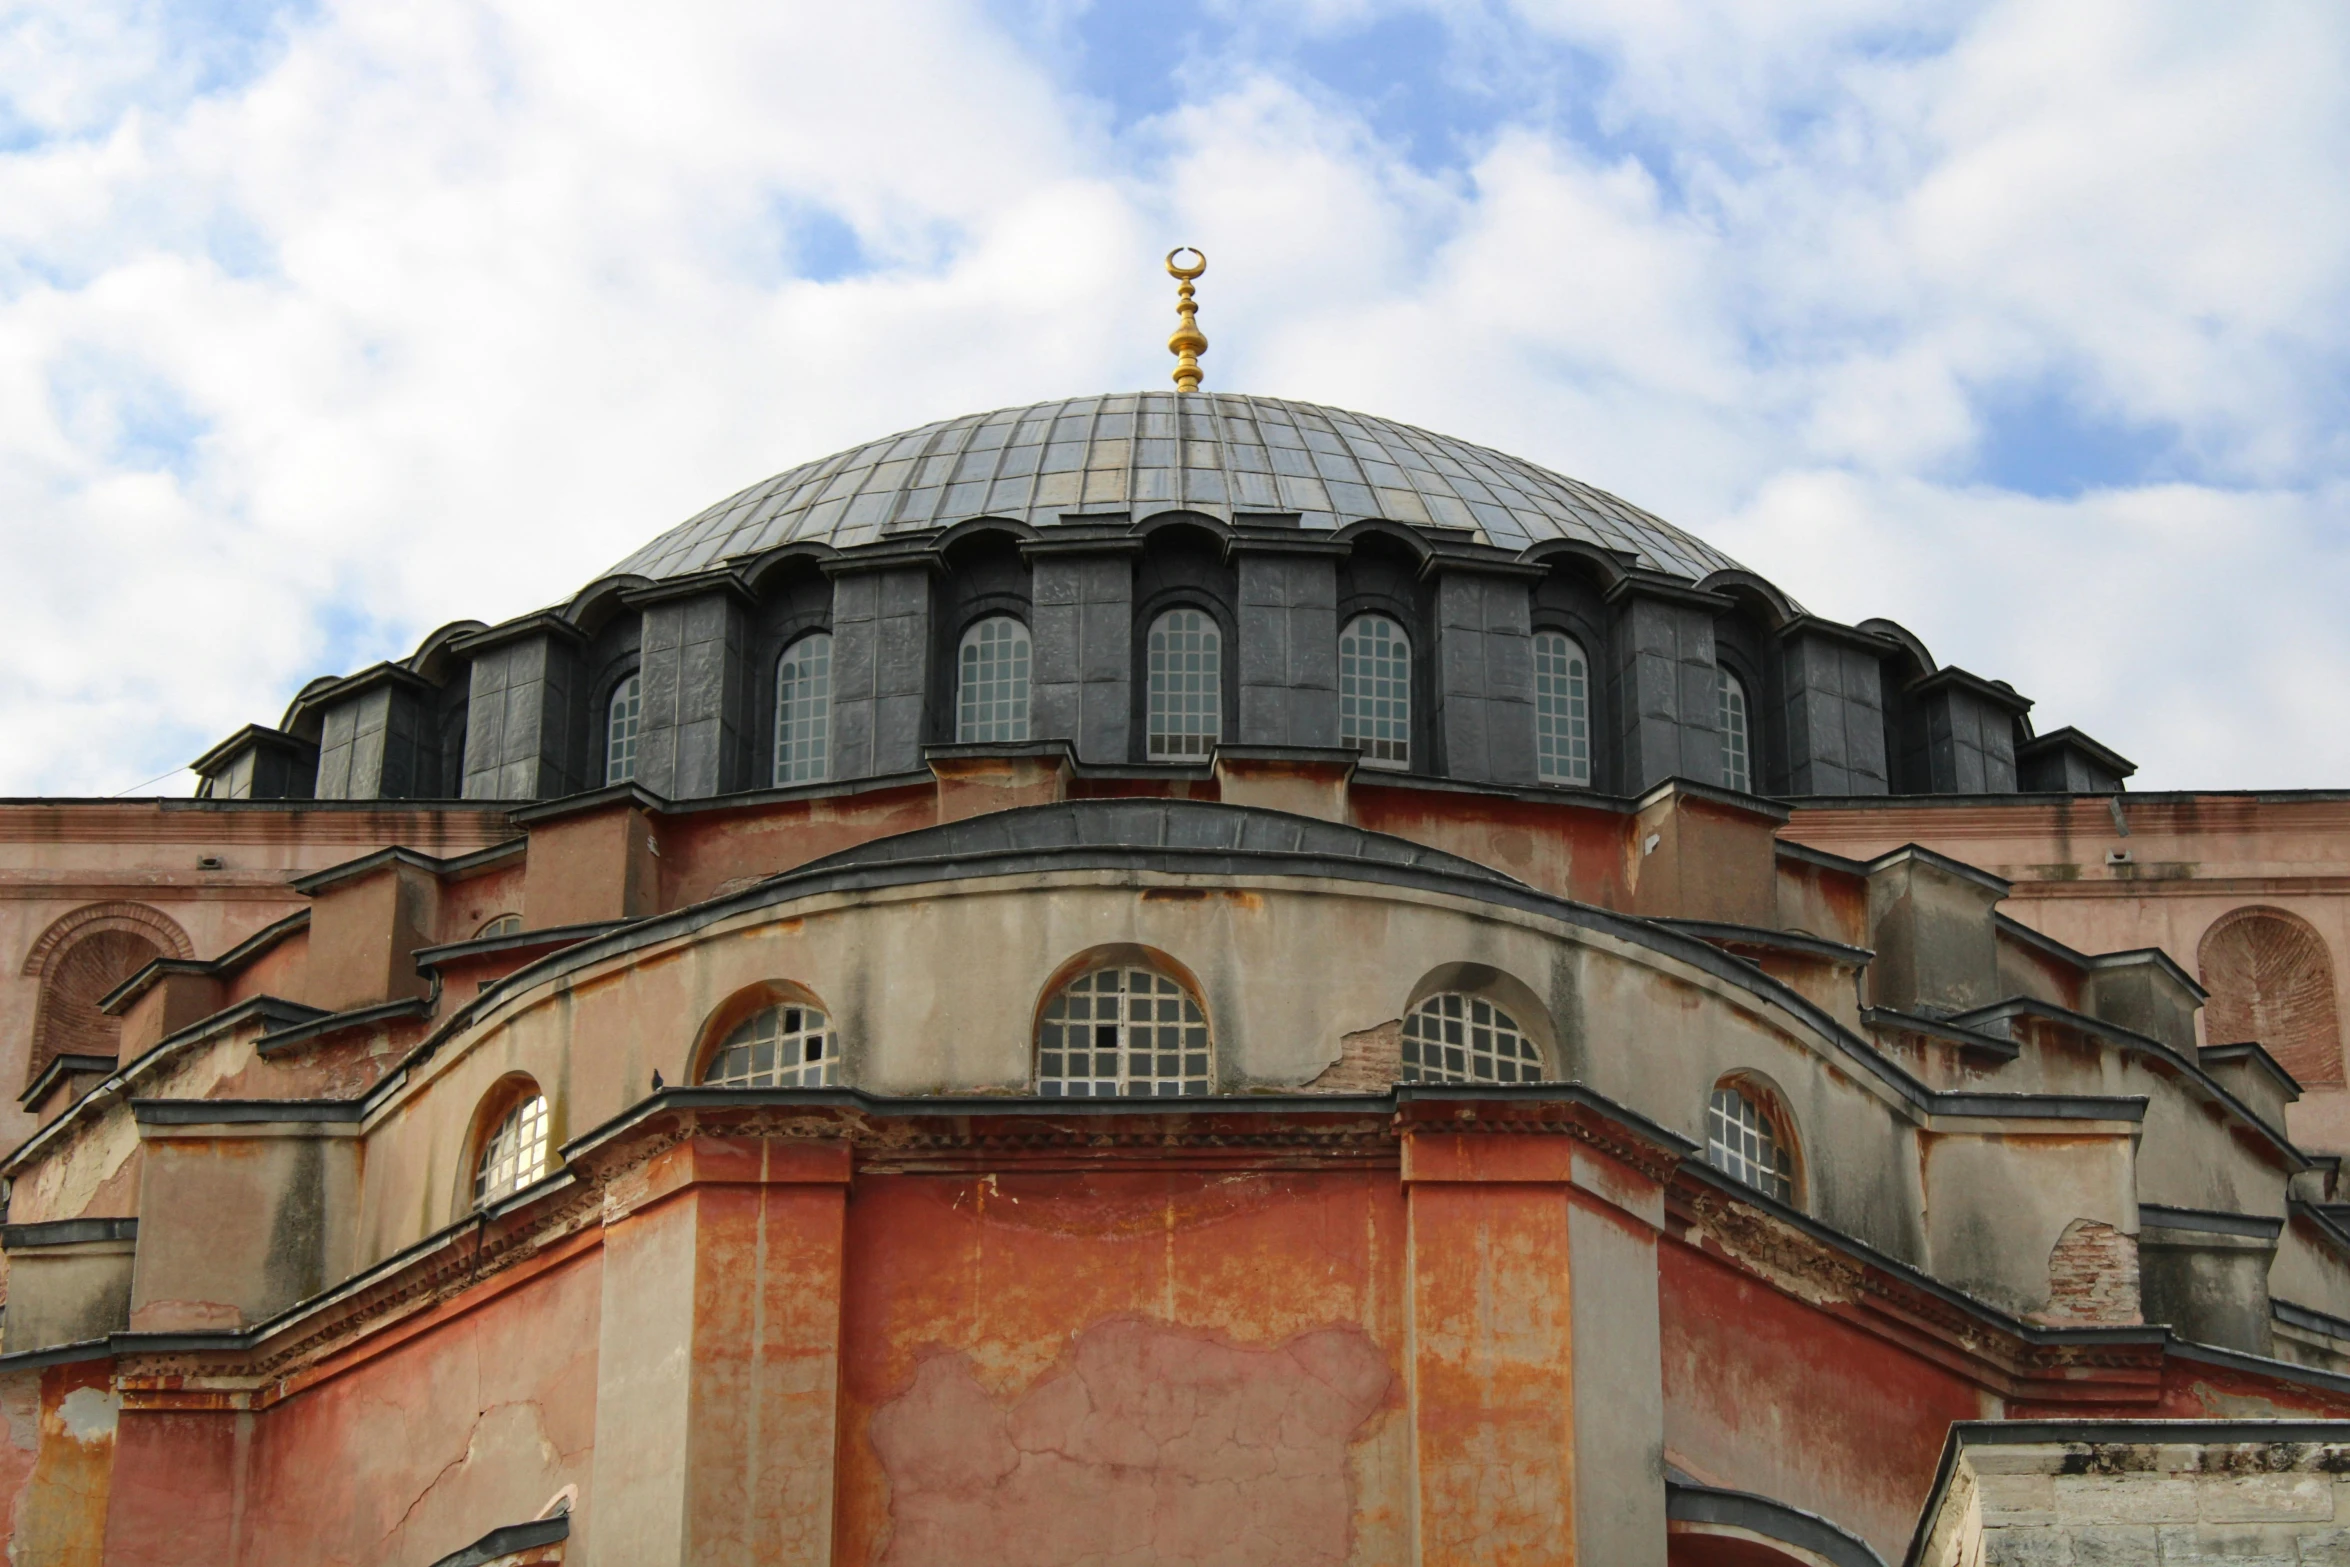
x: 1175, y: 979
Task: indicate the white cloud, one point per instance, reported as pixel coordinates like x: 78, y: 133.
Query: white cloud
x: 443, y: 307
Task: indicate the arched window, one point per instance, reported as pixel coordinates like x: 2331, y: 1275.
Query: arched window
x: 622, y: 720
x: 514, y: 1153
x: 1746, y: 1142
x: 1730, y: 717
x: 1454, y: 1038
x: 1562, y: 709
x: 1186, y: 686
x: 1375, y: 691
x: 499, y: 925
x: 787, y: 1046
x: 1122, y: 1033
x: 803, y: 711
x: 991, y: 697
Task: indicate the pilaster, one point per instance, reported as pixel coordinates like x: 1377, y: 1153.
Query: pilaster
x: 718, y: 1360
x: 1288, y: 641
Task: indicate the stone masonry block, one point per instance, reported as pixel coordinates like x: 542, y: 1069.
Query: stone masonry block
x: 2124, y: 1499
x: 2017, y: 1498
x: 2239, y: 1545
x: 2266, y: 1498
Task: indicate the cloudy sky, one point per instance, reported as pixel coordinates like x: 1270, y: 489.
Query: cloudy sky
x: 2026, y: 325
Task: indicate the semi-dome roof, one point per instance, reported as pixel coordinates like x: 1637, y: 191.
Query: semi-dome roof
x: 1217, y: 453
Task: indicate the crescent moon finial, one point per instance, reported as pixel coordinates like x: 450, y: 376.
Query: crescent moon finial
x: 1188, y: 343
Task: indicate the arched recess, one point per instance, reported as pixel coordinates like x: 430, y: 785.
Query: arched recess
x: 510, y: 1144
x: 2271, y: 981
x: 1121, y: 1020
x: 77, y: 960
x: 1516, y: 999
x: 1751, y: 1135
x: 740, y: 1008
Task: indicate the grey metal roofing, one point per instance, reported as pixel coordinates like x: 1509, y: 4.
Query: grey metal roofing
x: 1213, y: 452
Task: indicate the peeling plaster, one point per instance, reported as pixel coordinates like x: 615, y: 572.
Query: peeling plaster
x: 88, y: 1414
x: 1215, y: 1456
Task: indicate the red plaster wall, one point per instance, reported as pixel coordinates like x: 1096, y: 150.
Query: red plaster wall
x: 1766, y: 1394
x: 400, y: 1460
x: 1212, y: 1362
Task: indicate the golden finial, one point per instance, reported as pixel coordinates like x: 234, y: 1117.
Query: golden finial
x: 1187, y: 344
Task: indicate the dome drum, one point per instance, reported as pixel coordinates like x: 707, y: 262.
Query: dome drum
x: 1528, y: 632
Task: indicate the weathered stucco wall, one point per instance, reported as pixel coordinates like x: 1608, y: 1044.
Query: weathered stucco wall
x: 392, y: 1458
x: 1041, y: 1367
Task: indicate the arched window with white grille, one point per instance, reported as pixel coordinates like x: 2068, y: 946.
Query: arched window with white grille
x: 1455, y: 1038
x: 991, y: 682
x: 1737, y: 731
x: 1186, y: 686
x: 623, y: 718
x: 803, y: 711
x: 1746, y: 1141
x: 513, y: 1151
x: 790, y: 1045
x: 1375, y: 691
x: 1562, y: 709
x: 1123, y: 1032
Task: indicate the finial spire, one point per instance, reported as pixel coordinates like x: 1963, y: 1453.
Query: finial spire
x: 1187, y: 344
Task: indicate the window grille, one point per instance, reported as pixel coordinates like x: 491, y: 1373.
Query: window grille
x: 515, y: 1154
x: 992, y: 693
x: 803, y: 711
x: 1186, y: 686
x: 1730, y: 718
x: 1562, y: 709
x: 1742, y: 1143
x: 1463, y: 1039
x: 499, y: 925
x: 1122, y: 1033
x: 787, y: 1046
x: 626, y: 717
x: 1375, y: 691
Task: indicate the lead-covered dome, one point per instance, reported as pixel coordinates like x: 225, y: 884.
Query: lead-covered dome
x: 1218, y: 453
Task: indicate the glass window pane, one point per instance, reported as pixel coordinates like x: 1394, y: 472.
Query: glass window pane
x: 778, y: 1047
x: 1451, y: 1038
x: 1742, y: 1142
x: 803, y: 711
x: 1186, y: 686
x: 1730, y: 717
x: 515, y: 1152
x: 623, y: 719
x: 1375, y: 691
x: 991, y: 700
x: 1562, y: 709
x: 1149, y: 1040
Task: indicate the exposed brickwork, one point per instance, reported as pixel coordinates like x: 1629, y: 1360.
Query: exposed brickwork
x: 1367, y: 1062
x: 2271, y: 981
x: 2092, y: 1277
x: 79, y: 977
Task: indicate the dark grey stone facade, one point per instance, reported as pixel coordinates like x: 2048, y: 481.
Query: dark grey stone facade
x: 376, y: 739
x: 526, y: 725
x: 1288, y: 642
x: 880, y: 663
x: 1834, y: 711
x: 1485, y: 672
x: 1959, y: 736
x: 697, y: 680
x: 1664, y: 689
x: 1084, y: 647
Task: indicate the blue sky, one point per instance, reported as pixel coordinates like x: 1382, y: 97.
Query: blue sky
x: 323, y: 324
